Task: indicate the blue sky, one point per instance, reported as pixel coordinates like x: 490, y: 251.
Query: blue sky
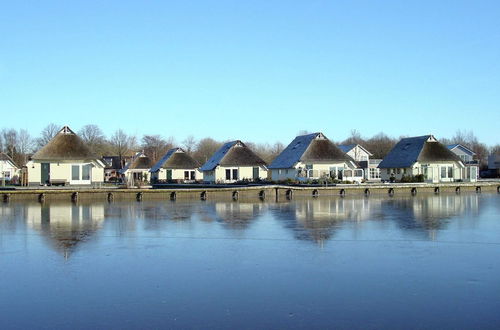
x: 253, y: 70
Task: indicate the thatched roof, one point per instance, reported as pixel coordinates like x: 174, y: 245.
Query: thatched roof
x: 313, y: 147
x: 66, y: 145
x: 139, y: 162
x: 424, y: 149
x: 175, y: 158
x: 234, y: 153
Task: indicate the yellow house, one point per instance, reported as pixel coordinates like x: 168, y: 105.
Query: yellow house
x: 234, y: 161
x: 423, y: 155
x: 176, y: 165
x: 314, y: 156
x: 65, y: 160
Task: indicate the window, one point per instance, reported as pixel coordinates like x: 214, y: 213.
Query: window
x: 443, y: 172
x: 86, y: 172
x: 186, y: 175
x: 388, y: 171
x: 228, y: 174
x: 75, y: 172
x: 235, y: 174
x: 450, y: 172
x: 358, y: 173
x: 374, y: 173
x: 399, y: 171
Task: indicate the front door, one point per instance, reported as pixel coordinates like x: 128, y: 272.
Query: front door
x: 45, y: 175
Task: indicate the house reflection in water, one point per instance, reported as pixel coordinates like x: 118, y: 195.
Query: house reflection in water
x: 65, y: 225
x: 238, y: 215
x: 430, y: 213
x: 317, y: 219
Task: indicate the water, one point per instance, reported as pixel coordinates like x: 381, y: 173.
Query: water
x: 416, y: 262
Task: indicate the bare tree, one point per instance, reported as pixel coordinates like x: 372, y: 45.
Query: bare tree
x: 121, y: 144
x: 495, y: 150
x: 155, y: 146
x: 189, y: 144
x: 205, y: 149
x: 47, y: 134
x: 380, y: 145
x: 25, y: 144
x: 94, y: 138
x: 9, y: 137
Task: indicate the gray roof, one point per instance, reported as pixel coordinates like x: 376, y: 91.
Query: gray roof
x: 313, y: 147
x: 65, y: 145
x: 175, y: 158
x: 424, y: 148
x: 234, y: 153
x: 462, y: 147
x: 347, y: 147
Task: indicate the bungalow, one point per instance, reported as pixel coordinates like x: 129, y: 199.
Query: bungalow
x: 234, y: 161
x: 422, y: 155
x: 176, y: 165
x: 362, y: 156
x: 313, y: 156
x: 64, y: 160
x: 8, y: 168
x: 137, y: 169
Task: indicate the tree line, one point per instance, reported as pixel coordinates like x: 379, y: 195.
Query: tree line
x: 20, y: 144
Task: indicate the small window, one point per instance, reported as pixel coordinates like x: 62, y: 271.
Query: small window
x: 235, y: 174
x: 398, y: 171
x: 388, y: 171
x: 450, y: 172
x: 443, y: 172
x: 228, y: 174
x: 186, y: 175
x: 193, y: 175
x: 75, y: 172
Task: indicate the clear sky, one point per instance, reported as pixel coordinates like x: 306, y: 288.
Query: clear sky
x: 253, y: 70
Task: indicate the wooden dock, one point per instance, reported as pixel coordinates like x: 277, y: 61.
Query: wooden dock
x: 262, y: 192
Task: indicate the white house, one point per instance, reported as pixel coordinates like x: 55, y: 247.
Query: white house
x: 234, y: 161
x: 313, y: 156
x: 65, y: 160
x: 137, y: 169
x: 465, y: 154
x: 176, y: 165
x: 467, y: 157
x: 8, y: 168
x: 423, y: 155
x: 362, y: 156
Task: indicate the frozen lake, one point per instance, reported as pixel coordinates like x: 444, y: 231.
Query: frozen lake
x: 419, y: 262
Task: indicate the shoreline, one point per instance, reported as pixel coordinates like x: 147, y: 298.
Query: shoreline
x: 262, y: 192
